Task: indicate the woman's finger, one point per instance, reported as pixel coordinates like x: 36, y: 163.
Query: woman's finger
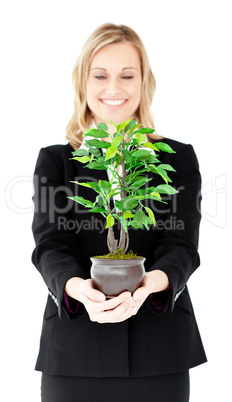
x: 115, y: 301
x: 88, y: 289
x: 109, y: 304
x: 120, y: 313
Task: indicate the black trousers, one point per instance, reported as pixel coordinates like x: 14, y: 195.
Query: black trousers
x: 164, y: 388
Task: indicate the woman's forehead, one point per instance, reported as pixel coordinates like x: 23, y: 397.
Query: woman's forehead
x: 121, y: 55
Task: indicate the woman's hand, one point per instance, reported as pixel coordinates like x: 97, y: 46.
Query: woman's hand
x: 100, y: 310
x: 154, y: 281
x: 119, y: 308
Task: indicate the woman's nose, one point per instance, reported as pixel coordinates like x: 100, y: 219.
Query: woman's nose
x: 113, y: 87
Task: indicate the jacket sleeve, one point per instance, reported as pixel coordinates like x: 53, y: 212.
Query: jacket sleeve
x: 55, y: 255
x: 177, y: 250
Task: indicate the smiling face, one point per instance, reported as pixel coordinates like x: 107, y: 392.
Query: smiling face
x: 114, y: 83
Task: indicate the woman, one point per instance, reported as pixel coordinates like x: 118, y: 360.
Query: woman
x: 135, y: 347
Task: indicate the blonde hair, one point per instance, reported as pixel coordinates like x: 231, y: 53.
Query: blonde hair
x: 104, y: 35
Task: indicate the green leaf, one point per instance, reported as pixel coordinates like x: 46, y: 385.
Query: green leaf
x: 118, y: 160
x: 99, y: 210
x: 140, y: 153
x: 140, y: 137
x: 128, y: 214
x: 115, y: 125
x: 102, y: 160
x: 119, y: 205
x: 102, y: 126
x: 166, y: 189
x: 151, y: 215
x: 166, y: 167
x: 146, y: 130
x: 109, y: 221
x: 134, y: 176
x: 110, y: 152
x: 117, y: 141
x: 87, y: 131
x: 95, y: 152
x: 122, y: 125
x: 147, y: 221
x: 150, y: 196
x: 150, y: 145
x: 81, y: 184
x: 126, y: 155
x: 164, y: 175
x: 129, y: 203
x: 99, y: 200
x: 164, y: 147
x: 156, y: 194
x: 96, y: 165
x: 94, y: 132
x: 98, y: 143
x: 133, y: 128
x: 82, y: 159
x: 124, y: 223
x: 135, y: 142
x: 146, y: 190
x: 82, y: 201
x: 138, y: 177
x: 152, y: 168
x: 113, y: 192
x: 139, y: 183
x: 150, y: 158
x: 80, y: 152
x: 139, y: 218
x: 131, y: 124
x: 160, y: 171
x: 112, y: 180
x: 105, y: 186
x: 90, y: 184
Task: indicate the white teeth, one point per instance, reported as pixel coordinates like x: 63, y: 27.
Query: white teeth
x: 113, y: 102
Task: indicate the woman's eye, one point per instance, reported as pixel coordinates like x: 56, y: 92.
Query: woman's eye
x: 100, y: 77
x: 127, y: 77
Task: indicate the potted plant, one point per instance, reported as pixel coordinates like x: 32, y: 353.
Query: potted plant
x: 128, y: 156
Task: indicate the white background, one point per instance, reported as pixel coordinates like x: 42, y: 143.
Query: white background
x: 189, y: 47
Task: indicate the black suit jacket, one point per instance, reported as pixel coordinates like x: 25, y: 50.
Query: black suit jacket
x: 66, y: 236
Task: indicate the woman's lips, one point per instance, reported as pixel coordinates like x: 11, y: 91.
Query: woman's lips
x: 113, y: 103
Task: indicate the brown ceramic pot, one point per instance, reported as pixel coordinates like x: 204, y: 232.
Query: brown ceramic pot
x: 112, y: 276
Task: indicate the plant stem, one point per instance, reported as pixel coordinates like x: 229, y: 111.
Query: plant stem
x: 124, y: 237
x: 112, y: 243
